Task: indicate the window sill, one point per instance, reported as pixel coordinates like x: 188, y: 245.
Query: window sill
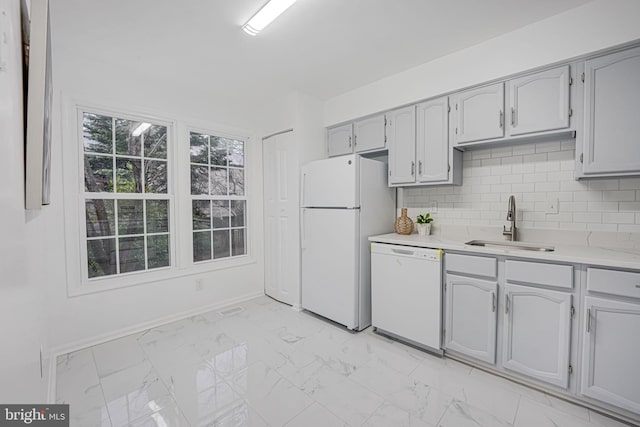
x: 88, y: 287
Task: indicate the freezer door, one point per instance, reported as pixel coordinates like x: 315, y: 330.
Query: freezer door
x: 330, y: 264
x: 331, y: 183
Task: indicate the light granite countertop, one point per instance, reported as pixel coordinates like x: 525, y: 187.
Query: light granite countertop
x: 575, y: 254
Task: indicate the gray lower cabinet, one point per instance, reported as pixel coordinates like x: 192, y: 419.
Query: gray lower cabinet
x: 611, y: 352
x: 471, y: 314
x: 536, y: 333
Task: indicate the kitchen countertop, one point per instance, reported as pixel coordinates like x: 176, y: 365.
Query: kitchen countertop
x: 606, y: 257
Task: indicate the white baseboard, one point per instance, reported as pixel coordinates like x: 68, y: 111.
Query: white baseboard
x: 109, y: 336
x: 51, y: 386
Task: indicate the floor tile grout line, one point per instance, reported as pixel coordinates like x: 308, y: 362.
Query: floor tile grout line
x: 104, y: 397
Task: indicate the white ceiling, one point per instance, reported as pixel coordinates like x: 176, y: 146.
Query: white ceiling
x: 321, y: 47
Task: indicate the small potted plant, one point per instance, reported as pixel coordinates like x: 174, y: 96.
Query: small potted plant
x: 424, y: 224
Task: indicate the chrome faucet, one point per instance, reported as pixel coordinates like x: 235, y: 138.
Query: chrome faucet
x: 511, y: 216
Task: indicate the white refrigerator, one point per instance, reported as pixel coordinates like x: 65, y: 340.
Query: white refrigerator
x: 345, y: 200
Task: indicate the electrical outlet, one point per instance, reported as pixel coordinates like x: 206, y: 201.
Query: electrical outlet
x: 552, y: 206
x: 433, y: 207
x: 199, y: 285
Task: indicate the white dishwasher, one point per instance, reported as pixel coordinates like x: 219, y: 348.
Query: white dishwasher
x: 406, y: 294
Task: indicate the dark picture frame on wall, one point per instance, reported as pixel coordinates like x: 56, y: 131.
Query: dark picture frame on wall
x: 38, y: 105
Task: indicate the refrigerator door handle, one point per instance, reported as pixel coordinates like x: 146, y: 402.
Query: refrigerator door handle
x: 302, y: 245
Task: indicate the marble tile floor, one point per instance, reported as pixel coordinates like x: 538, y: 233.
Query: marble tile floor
x: 268, y: 365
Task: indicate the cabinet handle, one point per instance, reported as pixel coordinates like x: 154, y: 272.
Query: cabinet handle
x: 506, y: 304
x: 500, y: 119
x: 588, y: 320
x: 355, y: 140
x: 493, y: 302
x: 638, y: 286
x: 513, y: 117
x: 349, y: 142
x: 420, y: 173
x: 413, y: 168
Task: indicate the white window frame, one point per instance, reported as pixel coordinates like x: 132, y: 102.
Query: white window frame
x: 84, y: 196
x: 247, y: 211
x: 178, y: 187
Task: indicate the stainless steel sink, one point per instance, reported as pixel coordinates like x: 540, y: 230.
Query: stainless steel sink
x: 511, y: 245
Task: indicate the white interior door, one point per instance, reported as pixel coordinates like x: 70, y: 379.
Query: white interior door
x: 281, y: 201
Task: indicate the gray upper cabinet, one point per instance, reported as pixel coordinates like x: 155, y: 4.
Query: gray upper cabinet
x: 611, y: 353
x: 539, y: 102
x: 340, y: 140
x: 536, y: 333
x: 611, y: 144
x: 401, y: 138
x: 432, y: 140
x: 369, y: 134
x: 479, y: 114
x: 470, y: 321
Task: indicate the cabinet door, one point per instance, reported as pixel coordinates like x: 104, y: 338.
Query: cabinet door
x: 611, y: 353
x: 537, y: 330
x: 401, y: 137
x: 432, y: 140
x: 340, y: 140
x: 369, y: 134
x: 471, y: 317
x: 480, y: 113
x: 539, y: 102
x: 612, y: 102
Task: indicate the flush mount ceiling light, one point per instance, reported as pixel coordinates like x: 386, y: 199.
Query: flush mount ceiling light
x: 268, y: 13
x: 140, y: 129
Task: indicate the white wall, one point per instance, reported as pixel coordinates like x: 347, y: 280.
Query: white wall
x: 22, y: 288
x: 81, y: 320
x: 594, y: 26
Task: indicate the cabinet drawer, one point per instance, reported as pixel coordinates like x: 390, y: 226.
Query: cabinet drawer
x: 536, y: 273
x: 623, y: 283
x: 469, y: 264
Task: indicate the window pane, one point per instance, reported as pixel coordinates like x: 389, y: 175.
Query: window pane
x: 128, y: 175
x: 219, y: 181
x: 158, y: 251
x: 201, y: 245
x: 131, y: 254
x: 157, y: 216
x: 155, y: 176
x: 236, y: 182
x: 98, y: 174
x: 101, y: 257
x: 237, y: 213
x: 199, y: 148
x: 220, y: 213
x: 155, y: 142
x: 221, y: 244
x: 128, y: 140
x: 97, y: 132
x: 130, y: 217
x: 199, y: 180
x: 238, y: 242
x: 236, y: 153
x: 219, y: 151
x: 100, y: 218
x: 201, y: 214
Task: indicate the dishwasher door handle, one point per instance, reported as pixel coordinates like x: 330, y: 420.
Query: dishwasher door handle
x: 403, y: 251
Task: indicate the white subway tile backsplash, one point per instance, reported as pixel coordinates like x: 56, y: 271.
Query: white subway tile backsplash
x: 604, y: 184
x: 534, y: 174
x: 590, y: 217
x: 618, y: 218
x: 619, y: 196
